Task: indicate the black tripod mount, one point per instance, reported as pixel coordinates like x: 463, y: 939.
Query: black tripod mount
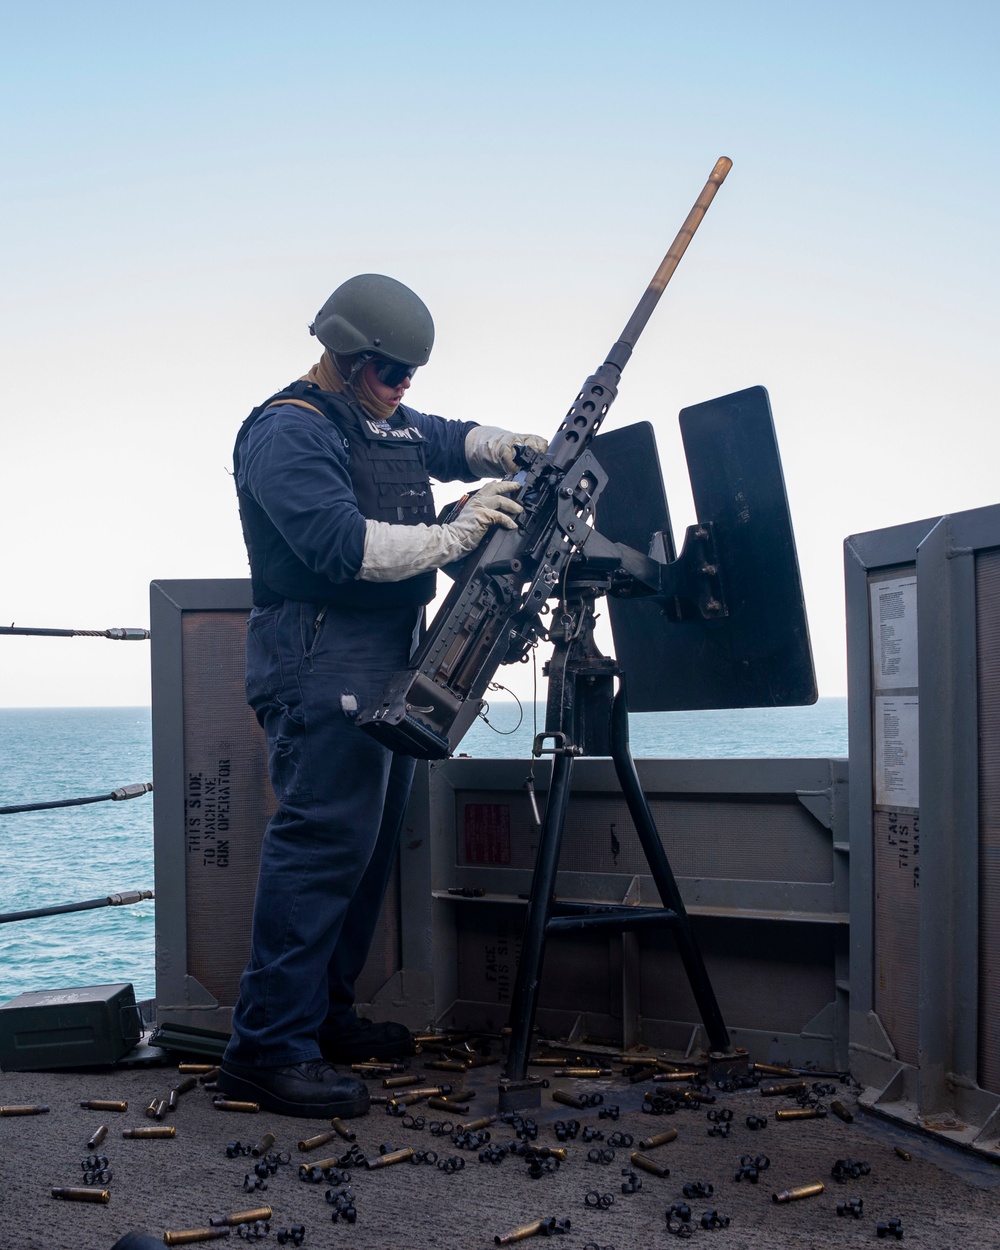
x: 584, y: 716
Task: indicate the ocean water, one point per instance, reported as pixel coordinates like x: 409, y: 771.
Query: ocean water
x: 69, y: 855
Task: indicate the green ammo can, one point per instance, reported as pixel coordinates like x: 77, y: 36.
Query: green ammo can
x: 71, y: 1028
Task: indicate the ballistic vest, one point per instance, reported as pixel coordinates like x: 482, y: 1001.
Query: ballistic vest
x: 389, y: 479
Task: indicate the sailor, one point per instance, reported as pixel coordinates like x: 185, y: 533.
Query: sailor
x: 332, y: 477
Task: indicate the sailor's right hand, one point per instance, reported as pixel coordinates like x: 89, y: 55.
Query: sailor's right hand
x: 490, y: 505
x: 395, y: 552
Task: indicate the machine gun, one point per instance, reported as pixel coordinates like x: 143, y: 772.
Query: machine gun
x: 492, y: 615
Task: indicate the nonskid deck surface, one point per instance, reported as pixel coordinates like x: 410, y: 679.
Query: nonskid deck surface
x: 944, y: 1198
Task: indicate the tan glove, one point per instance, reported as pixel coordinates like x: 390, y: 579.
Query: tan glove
x: 489, y: 451
x: 394, y: 552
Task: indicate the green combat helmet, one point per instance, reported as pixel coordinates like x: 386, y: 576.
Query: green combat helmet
x: 373, y: 313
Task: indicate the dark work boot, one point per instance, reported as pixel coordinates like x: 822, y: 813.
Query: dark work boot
x: 312, y: 1090
x: 356, y: 1040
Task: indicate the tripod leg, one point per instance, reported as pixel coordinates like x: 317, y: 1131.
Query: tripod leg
x: 529, y: 971
x: 659, y: 866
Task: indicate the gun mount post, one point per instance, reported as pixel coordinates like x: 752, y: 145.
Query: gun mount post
x: 584, y: 716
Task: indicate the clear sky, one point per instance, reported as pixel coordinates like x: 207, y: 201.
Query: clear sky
x: 184, y: 185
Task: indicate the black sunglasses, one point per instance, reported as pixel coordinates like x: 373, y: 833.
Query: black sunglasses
x: 392, y: 372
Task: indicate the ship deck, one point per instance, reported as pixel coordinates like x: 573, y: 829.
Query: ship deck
x: 943, y: 1196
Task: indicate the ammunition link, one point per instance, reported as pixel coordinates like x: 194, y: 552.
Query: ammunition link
x: 296, y: 1235
x: 632, y: 1182
x: 849, y: 1170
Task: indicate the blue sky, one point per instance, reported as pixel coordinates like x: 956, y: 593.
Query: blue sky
x: 185, y: 185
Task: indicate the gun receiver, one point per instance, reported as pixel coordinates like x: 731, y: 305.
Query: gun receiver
x: 491, y: 615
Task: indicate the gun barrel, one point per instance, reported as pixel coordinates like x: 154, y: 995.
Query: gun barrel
x: 619, y: 354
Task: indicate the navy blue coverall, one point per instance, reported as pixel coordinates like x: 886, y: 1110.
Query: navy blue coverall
x: 328, y: 851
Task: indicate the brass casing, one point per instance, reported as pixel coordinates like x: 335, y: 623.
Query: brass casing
x: 528, y: 1230
x: 243, y: 1217
x: 790, y: 1087
x: 394, y: 1156
x: 568, y: 1100
x: 648, y: 1165
x: 229, y: 1104
x: 472, y: 1126
x: 800, y: 1191
x: 659, y: 1139
x: 582, y: 1072
x: 448, y: 1104
x: 186, y: 1236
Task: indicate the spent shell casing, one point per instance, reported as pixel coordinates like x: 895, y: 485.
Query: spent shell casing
x: 800, y: 1191
x: 447, y: 1065
x: 409, y: 1098
x: 569, y: 1100
x: 209, y: 1075
x: 400, y: 1082
x: 790, y: 1087
x: 313, y: 1143
x: 319, y: 1165
x: 659, y: 1139
x: 449, y: 1104
x: 242, y: 1217
x: 197, y: 1067
x: 373, y: 1069
x: 98, y: 1135
x: 582, y: 1072
x: 771, y: 1069
x: 472, y: 1126
x: 79, y: 1194
x: 158, y: 1130
x: 841, y: 1112
x: 189, y: 1083
x: 801, y: 1113
x: 903, y: 1154
x: 673, y: 1073
x: 173, y: 1098
x: 644, y: 1074
x: 231, y: 1104
x: 187, y: 1236
x: 394, y: 1156
x: 648, y: 1165
x: 103, y: 1104
x: 341, y: 1129
x: 527, y: 1230
x: 23, y: 1110
x: 264, y: 1145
